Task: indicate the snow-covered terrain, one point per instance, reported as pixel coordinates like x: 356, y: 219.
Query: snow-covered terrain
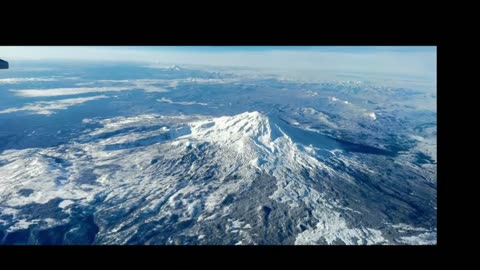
x: 205, y: 158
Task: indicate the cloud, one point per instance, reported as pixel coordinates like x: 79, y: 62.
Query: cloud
x: 49, y: 107
x: 65, y: 91
x: 166, y: 100
x: 147, y: 85
x: 412, y: 61
x: 22, y: 80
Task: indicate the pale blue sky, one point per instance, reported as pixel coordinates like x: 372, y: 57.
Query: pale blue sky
x: 418, y: 61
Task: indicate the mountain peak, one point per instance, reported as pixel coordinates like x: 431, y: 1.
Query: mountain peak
x: 253, y: 116
x: 248, y: 125
x: 174, y: 67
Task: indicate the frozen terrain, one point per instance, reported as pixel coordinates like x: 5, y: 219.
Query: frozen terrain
x: 158, y: 156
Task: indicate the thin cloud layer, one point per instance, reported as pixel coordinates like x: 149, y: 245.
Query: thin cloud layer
x: 166, y: 100
x: 150, y: 85
x: 23, y: 80
x: 411, y: 61
x: 66, y: 91
x: 49, y: 107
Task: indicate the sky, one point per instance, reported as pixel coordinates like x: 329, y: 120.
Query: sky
x: 413, y: 61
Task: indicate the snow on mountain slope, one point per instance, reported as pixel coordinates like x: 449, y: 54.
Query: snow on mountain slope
x: 168, y: 179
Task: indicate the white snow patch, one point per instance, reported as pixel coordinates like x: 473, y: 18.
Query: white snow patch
x: 334, y: 99
x: 65, y: 203
x: 417, y: 138
x: 372, y: 116
x: 332, y: 228
x: 22, y: 224
x: 428, y: 238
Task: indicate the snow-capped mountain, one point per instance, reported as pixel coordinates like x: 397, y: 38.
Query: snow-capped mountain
x: 174, y: 67
x: 249, y: 178
x: 130, y: 154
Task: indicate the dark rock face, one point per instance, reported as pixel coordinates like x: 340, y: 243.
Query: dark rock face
x: 3, y: 64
